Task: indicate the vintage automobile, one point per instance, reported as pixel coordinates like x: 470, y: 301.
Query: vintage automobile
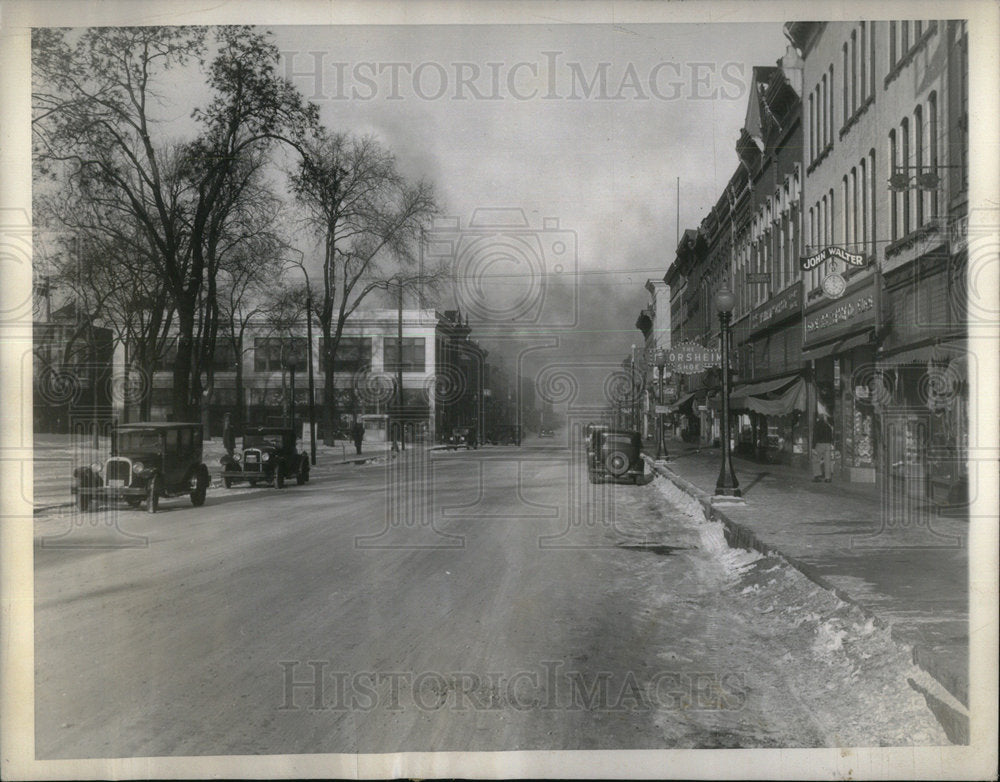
x: 615, y: 454
x: 546, y: 433
x: 148, y: 461
x: 461, y: 437
x: 269, y: 456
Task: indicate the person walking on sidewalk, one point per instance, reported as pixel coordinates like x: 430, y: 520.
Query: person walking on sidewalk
x: 358, y: 435
x: 822, y: 451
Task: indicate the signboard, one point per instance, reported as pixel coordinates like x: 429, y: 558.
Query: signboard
x: 777, y: 308
x: 848, y: 314
x: 759, y: 277
x: 662, y: 409
x: 851, y: 259
x: 690, y: 358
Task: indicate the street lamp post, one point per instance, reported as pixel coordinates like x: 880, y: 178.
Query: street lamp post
x: 661, y: 367
x: 727, y: 485
x: 633, y: 414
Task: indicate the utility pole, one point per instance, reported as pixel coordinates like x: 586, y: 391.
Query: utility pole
x: 312, y: 395
x: 399, y: 369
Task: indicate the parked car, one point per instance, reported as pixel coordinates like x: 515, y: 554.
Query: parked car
x: 546, y: 433
x: 615, y: 454
x: 269, y: 456
x: 461, y: 437
x: 505, y: 434
x: 148, y: 461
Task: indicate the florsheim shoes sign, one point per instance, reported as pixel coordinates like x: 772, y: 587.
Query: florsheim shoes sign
x: 689, y: 358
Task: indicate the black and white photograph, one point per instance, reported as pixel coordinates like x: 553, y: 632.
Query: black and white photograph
x: 543, y: 389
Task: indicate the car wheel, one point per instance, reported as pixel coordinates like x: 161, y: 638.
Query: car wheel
x: 153, y: 494
x: 592, y: 476
x: 134, y: 502
x: 253, y: 484
x: 82, y: 501
x: 201, y: 487
x: 227, y: 482
x: 279, y: 477
x: 617, y: 463
x: 302, y: 475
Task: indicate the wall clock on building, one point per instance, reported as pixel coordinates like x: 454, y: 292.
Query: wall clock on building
x: 834, y: 286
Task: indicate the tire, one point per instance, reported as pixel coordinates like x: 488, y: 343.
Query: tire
x: 201, y: 486
x: 227, y: 482
x: 592, y: 476
x: 617, y: 463
x: 303, y: 474
x: 82, y: 501
x: 253, y: 484
x: 153, y: 494
x: 279, y: 477
x: 133, y: 502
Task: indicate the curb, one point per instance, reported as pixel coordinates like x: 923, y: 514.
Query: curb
x: 954, y: 722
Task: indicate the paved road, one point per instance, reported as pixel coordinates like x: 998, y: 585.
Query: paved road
x: 448, y: 601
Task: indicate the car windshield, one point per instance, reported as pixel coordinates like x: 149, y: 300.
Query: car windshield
x: 139, y: 441
x: 262, y: 441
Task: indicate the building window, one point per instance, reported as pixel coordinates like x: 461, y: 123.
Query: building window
x: 830, y: 118
x: 413, y: 354
x: 904, y: 46
x: 863, y: 192
x: 894, y: 197
x: 871, y: 61
x: 872, y: 200
x: 862, y: 63
x: 354, y: 354
x: 892, y: 45
x: 271, y: 354
x: 847, y: 86
x: 812, y: 128
x: 932, y: 146
x: 854, y: 210
x: 854, y: 71
x: 905, y: 154
x: 822, y: 100
x: 918, y: 143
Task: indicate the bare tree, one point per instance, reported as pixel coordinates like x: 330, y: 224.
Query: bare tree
x: 95, y: 120
x: 369, y: 222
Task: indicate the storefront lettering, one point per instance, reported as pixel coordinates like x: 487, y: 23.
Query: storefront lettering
x: 789, y: 301
x: 841, y: 313
x: 812, y: 261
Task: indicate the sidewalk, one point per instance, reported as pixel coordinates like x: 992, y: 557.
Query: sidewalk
x: 903, y: 564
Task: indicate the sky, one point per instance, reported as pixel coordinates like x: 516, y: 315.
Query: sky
x: 583, y: 128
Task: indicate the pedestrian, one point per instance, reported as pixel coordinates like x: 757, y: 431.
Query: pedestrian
x: 228, y: 434
x: 358, y: 434
x: 822, y: 451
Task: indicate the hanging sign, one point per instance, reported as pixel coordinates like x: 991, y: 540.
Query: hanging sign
x: 812, y: 261
x: 689, y: 358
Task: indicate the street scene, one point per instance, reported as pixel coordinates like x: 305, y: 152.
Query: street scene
x: 495, y: 387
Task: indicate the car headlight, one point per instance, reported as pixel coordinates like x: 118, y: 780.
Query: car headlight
x: 266, y: 457
x: 236, y: 456
x: 96, y: 467
x: 138, y: 467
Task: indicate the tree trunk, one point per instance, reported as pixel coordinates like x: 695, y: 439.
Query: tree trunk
x: 184, y: 408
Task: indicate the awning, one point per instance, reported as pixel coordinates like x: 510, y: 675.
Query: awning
x: 793, y: 398
x: 684, y: 400
x: 755, y: 389
x: 843, y: 345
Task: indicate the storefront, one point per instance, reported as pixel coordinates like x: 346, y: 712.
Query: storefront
x: 839, y: 353
x: 923, y: 371
x: 770, y: 403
